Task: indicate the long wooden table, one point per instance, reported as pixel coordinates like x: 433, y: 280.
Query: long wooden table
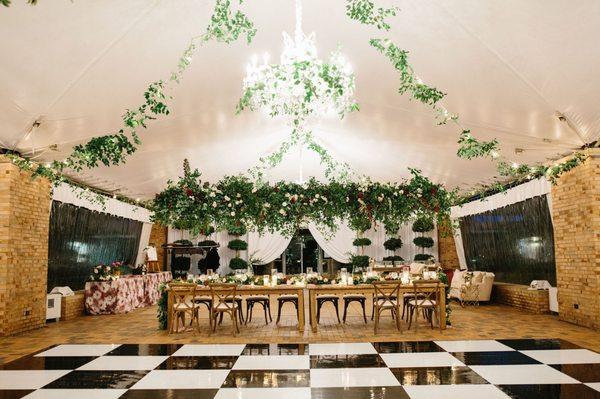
x: 247, y: 290
x: 313, y: 291
x: 366, y: 289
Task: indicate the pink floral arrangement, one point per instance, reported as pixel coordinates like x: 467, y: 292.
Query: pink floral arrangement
x: 106, y: 272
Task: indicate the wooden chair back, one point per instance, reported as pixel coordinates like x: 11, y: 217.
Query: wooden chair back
x: 223, y: 296
x: 387, y: 292
x: 183, y: 296
x: 425, y: 291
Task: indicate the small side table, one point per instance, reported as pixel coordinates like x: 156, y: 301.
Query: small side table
x: 469, y: 295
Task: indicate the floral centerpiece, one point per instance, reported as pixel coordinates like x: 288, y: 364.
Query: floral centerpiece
x: 106, y: 272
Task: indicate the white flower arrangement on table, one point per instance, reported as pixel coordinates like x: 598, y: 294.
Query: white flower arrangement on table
x: 106, y: 272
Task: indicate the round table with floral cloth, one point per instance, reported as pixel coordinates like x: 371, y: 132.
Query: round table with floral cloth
x: 123, y: 294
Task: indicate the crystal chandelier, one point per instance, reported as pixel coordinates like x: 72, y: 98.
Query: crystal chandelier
x: 301, y: 85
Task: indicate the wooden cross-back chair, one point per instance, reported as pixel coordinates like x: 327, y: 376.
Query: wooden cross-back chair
x: 386, y: 298
x: 426, y: 298
x: 223, y: 301
x: 183, y: 304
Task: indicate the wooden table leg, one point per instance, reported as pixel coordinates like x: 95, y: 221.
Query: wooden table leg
x: 168, y: 310
x: 301, y: 316
x: 442, y: 295
x: 312, y: 298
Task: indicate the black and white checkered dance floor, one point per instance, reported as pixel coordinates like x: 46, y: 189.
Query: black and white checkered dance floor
x: 433, y: 369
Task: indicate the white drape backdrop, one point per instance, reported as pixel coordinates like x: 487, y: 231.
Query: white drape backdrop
x: 72, y: 195
x: 267, y: 246
x: 339, y: 245
x: 522, y: 192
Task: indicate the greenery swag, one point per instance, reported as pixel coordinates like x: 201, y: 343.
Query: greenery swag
x: 194, y: 205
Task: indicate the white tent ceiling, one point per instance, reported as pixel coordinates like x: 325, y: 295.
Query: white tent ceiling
x: 507, y: 66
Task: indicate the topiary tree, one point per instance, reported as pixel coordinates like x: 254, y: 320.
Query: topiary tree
x: 237, y: 263
x: 393, y: 244
x: 423, y: 225
x: 361, y: 243
x: 237, y: 245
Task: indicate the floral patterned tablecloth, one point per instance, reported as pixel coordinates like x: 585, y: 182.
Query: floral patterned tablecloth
x: 124, y: 294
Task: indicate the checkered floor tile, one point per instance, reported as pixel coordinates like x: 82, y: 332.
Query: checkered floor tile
x: 549, y: 368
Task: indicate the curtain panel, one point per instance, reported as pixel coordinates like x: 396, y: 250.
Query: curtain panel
x: 80, y: 239
x: 515, y: 242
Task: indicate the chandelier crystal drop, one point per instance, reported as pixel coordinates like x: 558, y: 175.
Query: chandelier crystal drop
x: 301, y: 85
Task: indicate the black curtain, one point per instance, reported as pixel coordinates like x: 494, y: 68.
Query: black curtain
x: 516, y: 242
x: 81, y: 239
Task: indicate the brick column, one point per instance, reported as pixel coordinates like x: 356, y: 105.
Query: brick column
x: 576, y: 220
x: 24, y: 222
x: 446, y: 247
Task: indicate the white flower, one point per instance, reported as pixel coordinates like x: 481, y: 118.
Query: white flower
x: 284, y: 203
x: 419, y: 190
x: 239, y: 195
x: 267, y: 205
x: 347, y: 199
x: 254, y: 189
x: 282, y: 211
x: 212, y: 194
x: 227, y: 198
x: 214, y: 204
x: 317, y: 195
x: 232, y: 213
x: 402, y: 192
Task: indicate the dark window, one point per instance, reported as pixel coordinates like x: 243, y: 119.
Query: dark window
x: 81, y: 239
x: 516, y: 242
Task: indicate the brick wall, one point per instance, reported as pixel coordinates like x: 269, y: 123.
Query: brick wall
x: 576, y: 220
x: 72, y: 306
x: 519, y: 296
x: 446, y: 248
x: 158, y: 237
x: 24, y: 222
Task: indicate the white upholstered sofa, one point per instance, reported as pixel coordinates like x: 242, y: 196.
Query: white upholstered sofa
x: 485, y: 281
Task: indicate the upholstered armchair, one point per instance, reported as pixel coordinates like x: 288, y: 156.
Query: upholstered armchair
x: 483, y: 280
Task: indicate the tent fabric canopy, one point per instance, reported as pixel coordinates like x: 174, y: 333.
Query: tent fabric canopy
x: 508, y: 67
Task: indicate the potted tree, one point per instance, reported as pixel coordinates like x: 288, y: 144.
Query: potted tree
x: 393, y: 243
x: 423, y: 225
x: 237, y: 245
x: 360, y: 223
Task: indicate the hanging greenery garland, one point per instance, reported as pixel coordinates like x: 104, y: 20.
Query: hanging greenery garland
x: 195, y: 205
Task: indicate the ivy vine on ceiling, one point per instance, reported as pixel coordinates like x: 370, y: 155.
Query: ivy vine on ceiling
x: 227, y: 24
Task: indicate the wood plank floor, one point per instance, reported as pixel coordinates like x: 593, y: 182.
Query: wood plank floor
x: 483, y: 322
